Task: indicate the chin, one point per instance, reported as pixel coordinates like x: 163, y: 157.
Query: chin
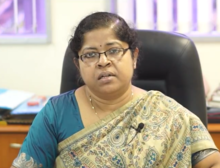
x: 107, y: 89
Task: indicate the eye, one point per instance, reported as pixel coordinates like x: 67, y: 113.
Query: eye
x: 90, y: 55
x: 114, y: 51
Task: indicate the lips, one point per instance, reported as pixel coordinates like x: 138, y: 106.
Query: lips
x: 105, y: 74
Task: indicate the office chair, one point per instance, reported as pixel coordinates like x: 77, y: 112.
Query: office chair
x: 168, y: 62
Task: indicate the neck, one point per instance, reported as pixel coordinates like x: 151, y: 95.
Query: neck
x: 108, y: 103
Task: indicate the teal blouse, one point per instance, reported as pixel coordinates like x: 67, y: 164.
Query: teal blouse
x: 58, y: 120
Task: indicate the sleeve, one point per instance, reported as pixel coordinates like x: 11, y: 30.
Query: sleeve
x: 39, y: 148
x: 200, y: 137
x: 197, y: 134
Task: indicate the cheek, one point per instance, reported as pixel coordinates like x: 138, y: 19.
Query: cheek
x: 87, y: 73
x: 126, y: 69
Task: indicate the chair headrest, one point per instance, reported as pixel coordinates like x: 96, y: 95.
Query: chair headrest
x: 160, y: 52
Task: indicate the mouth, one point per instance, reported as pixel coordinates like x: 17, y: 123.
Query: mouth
x: 105, y: 75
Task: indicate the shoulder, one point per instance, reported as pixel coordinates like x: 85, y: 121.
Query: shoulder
x: 180, y: 121
x: 176, y: 115
x: 59, y: 104
x: 67, y: 96
x: 163, y: 103
x: 60, y: 113
x: 63, y: 101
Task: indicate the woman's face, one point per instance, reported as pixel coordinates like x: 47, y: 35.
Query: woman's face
x: 108, y: 74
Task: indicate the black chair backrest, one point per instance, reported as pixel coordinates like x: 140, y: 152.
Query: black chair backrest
x: 168, y: 62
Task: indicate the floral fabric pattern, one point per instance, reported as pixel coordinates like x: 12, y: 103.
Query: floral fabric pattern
x: 170, y: 136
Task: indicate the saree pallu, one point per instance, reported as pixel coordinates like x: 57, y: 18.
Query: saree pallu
x: 171, y: 134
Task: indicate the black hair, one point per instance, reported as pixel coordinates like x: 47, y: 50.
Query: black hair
x: 103, y: 20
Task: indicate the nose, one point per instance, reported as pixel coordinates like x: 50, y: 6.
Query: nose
x: 103, y: 61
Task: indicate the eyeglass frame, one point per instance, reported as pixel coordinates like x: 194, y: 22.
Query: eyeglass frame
x: 124, y: 51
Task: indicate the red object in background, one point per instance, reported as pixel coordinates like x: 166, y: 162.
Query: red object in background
x: 33, y: 103
x: 36, y: 100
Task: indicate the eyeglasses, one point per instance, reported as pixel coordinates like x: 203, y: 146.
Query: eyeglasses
x: 112, y: 54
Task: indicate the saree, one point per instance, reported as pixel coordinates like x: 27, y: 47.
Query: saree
x: 170, y: 135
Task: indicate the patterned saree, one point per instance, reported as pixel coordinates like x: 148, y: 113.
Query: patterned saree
x: 171, y: 134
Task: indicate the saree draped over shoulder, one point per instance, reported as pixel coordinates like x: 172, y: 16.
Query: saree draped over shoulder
x: 171, y: 134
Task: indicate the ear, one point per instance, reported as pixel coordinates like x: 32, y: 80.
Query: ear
x: 136, y: 52
x: 76, y: 62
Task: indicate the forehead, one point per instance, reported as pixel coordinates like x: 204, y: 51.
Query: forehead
x: 99, y: 37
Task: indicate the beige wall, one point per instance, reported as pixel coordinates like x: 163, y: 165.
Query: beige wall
x: 37, y: 68
x: 209, y: 54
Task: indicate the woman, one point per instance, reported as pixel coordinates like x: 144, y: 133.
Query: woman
x: 108, y: 122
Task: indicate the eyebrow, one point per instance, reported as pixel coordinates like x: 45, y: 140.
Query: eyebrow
x: 90, y: 48
x: 112, y: 43
x: 107, y: 44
